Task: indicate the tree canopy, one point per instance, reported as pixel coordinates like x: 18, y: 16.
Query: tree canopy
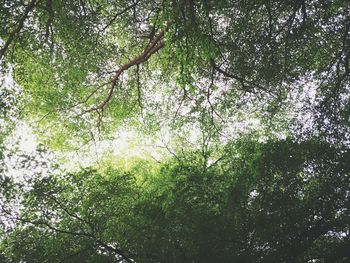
x: 107, y: 59
x: 245, y: 107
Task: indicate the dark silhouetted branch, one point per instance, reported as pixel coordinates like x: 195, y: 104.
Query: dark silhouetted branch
x: 18, y: 28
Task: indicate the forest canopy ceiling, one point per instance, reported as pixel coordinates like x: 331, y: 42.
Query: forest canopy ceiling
x: 251, y: 97
x: 82, y: 62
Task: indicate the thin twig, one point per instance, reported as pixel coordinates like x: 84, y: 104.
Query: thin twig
x: 133, y: 5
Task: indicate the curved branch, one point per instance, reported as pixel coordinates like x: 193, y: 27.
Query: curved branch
x: 156, y: 44
x: 19, y: 27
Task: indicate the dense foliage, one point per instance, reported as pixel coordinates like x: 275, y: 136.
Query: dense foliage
x: 253, y: 97
x: 92, y: 64
x: 274, y: 202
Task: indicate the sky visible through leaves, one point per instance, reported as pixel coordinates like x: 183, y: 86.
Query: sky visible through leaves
x: 174, y: 131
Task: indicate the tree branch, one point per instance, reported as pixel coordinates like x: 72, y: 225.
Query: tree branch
x: 91, y: 236
x: 156, y: 44
x: 243, y: 81
x: 133, y: 5
x: 18, y: 28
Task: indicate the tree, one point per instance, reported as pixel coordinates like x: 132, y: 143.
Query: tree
x: 279, y: 201
x: 263, y: 84
x: 78, y: 58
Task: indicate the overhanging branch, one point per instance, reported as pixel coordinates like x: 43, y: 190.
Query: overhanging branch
x: 156, y: 44
x: 245, y: 83
x: 19, y: 27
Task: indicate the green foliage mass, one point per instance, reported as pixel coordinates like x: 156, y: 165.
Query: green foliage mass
x: 254, y: 96
x: 66, y: 54
x: 279, y: 201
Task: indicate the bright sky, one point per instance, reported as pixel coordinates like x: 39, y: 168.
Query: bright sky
x: 127, y: 143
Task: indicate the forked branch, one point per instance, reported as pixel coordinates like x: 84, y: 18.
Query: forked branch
x: 156, y: 44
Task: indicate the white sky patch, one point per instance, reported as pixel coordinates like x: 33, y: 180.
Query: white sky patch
x: 128, y: 144
x: 22, y: 139
x: 131, y: 142
x: 21, y: 158
x: 28, y: 141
